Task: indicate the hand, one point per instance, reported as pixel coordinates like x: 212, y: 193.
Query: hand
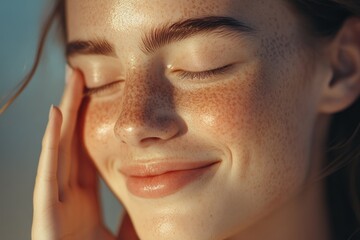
x: 66, y: 201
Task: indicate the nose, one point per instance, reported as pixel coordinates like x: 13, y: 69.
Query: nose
x: 147, y: 114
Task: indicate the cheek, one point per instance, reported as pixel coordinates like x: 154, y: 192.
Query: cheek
x: 227, y: 110
x: 99, y: 119
x: 262, y: 119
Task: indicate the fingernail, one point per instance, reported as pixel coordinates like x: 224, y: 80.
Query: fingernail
x: 68, y: 73
x: 51, y: 110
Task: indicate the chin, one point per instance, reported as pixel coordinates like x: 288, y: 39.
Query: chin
x: 183, y: 226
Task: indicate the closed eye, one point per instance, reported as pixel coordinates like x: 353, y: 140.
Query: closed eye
x: 112, y: 87
x: 203, y: 74
x: 102, y: 90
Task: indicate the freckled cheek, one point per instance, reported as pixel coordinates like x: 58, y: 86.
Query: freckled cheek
x: 227, y: 110
x: 99, y: 120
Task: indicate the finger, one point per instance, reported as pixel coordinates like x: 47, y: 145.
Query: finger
x: 69, y: 107
x: 46, y: 185
x: 127, y: 230
x: 83, y: 170
x: 87, y: 174
x: 70, y: 102
x: 74, y: 165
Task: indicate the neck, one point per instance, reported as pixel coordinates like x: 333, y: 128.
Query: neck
x: 303, y: 218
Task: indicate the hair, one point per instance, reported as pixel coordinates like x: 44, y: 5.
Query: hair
x: 322, y: 19
x: 57, y: 12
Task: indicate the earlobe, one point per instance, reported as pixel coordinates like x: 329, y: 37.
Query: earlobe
x: 344, y: 86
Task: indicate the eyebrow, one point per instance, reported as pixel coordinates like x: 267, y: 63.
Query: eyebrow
x: 178, y: 31
x: 90, y: 47
x: 166, y: 34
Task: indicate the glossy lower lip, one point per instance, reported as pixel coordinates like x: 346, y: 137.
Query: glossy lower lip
x: 166, y: 183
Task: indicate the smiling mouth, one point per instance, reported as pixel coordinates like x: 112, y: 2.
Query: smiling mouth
x: 165, y: 178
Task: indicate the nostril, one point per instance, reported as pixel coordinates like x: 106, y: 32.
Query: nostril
x: 148, y: 131
x: 149, y: 140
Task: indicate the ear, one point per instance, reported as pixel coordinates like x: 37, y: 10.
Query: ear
x: 343, y: 88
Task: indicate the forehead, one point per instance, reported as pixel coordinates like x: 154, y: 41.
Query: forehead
x: 109, y: 17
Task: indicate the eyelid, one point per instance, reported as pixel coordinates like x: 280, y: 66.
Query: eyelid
x: 100, y: 89
x: 181, y: 73
x: 202, y: 74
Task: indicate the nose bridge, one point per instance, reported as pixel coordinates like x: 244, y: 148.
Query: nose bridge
x: 143, y: 98
x: 146, y: 109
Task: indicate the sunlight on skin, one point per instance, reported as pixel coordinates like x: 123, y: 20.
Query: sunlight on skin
x: 251, y: 117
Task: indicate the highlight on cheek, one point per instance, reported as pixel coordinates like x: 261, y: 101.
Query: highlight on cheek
x: 209, y: 119
x: 103, y: 130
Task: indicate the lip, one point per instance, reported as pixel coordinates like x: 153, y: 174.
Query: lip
x: 160, y: 179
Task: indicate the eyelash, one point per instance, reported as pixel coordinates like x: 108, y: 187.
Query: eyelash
x: 204, y: 74
x: 101, y: 89
x: 181, y: 74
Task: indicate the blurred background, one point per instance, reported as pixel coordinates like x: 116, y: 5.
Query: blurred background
x: 23, y: 124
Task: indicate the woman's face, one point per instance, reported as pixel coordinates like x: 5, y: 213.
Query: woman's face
x: 204, y: 128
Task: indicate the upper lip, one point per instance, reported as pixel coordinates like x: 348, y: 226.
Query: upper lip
x: 158, y: 167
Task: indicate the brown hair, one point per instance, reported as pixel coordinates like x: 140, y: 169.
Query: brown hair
x: 56, y: 13
x: 323, y: 19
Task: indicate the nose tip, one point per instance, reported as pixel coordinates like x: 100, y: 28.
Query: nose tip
x: 147, y: 112
x: 146, y: 131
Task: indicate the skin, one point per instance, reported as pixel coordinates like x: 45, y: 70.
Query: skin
x: 265, y: 119
x: 264, y: 148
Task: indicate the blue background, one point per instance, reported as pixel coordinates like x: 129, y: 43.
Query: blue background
x: 23, y: 124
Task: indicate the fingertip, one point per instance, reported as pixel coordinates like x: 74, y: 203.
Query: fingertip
x: 79, y: 80
x: 54, y: 124
x: 55, y: 115
x: 51, y: 111
x: 68, y: 73
x: 74, y: 75
x: 57, y: 111
x: 74, y: 88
